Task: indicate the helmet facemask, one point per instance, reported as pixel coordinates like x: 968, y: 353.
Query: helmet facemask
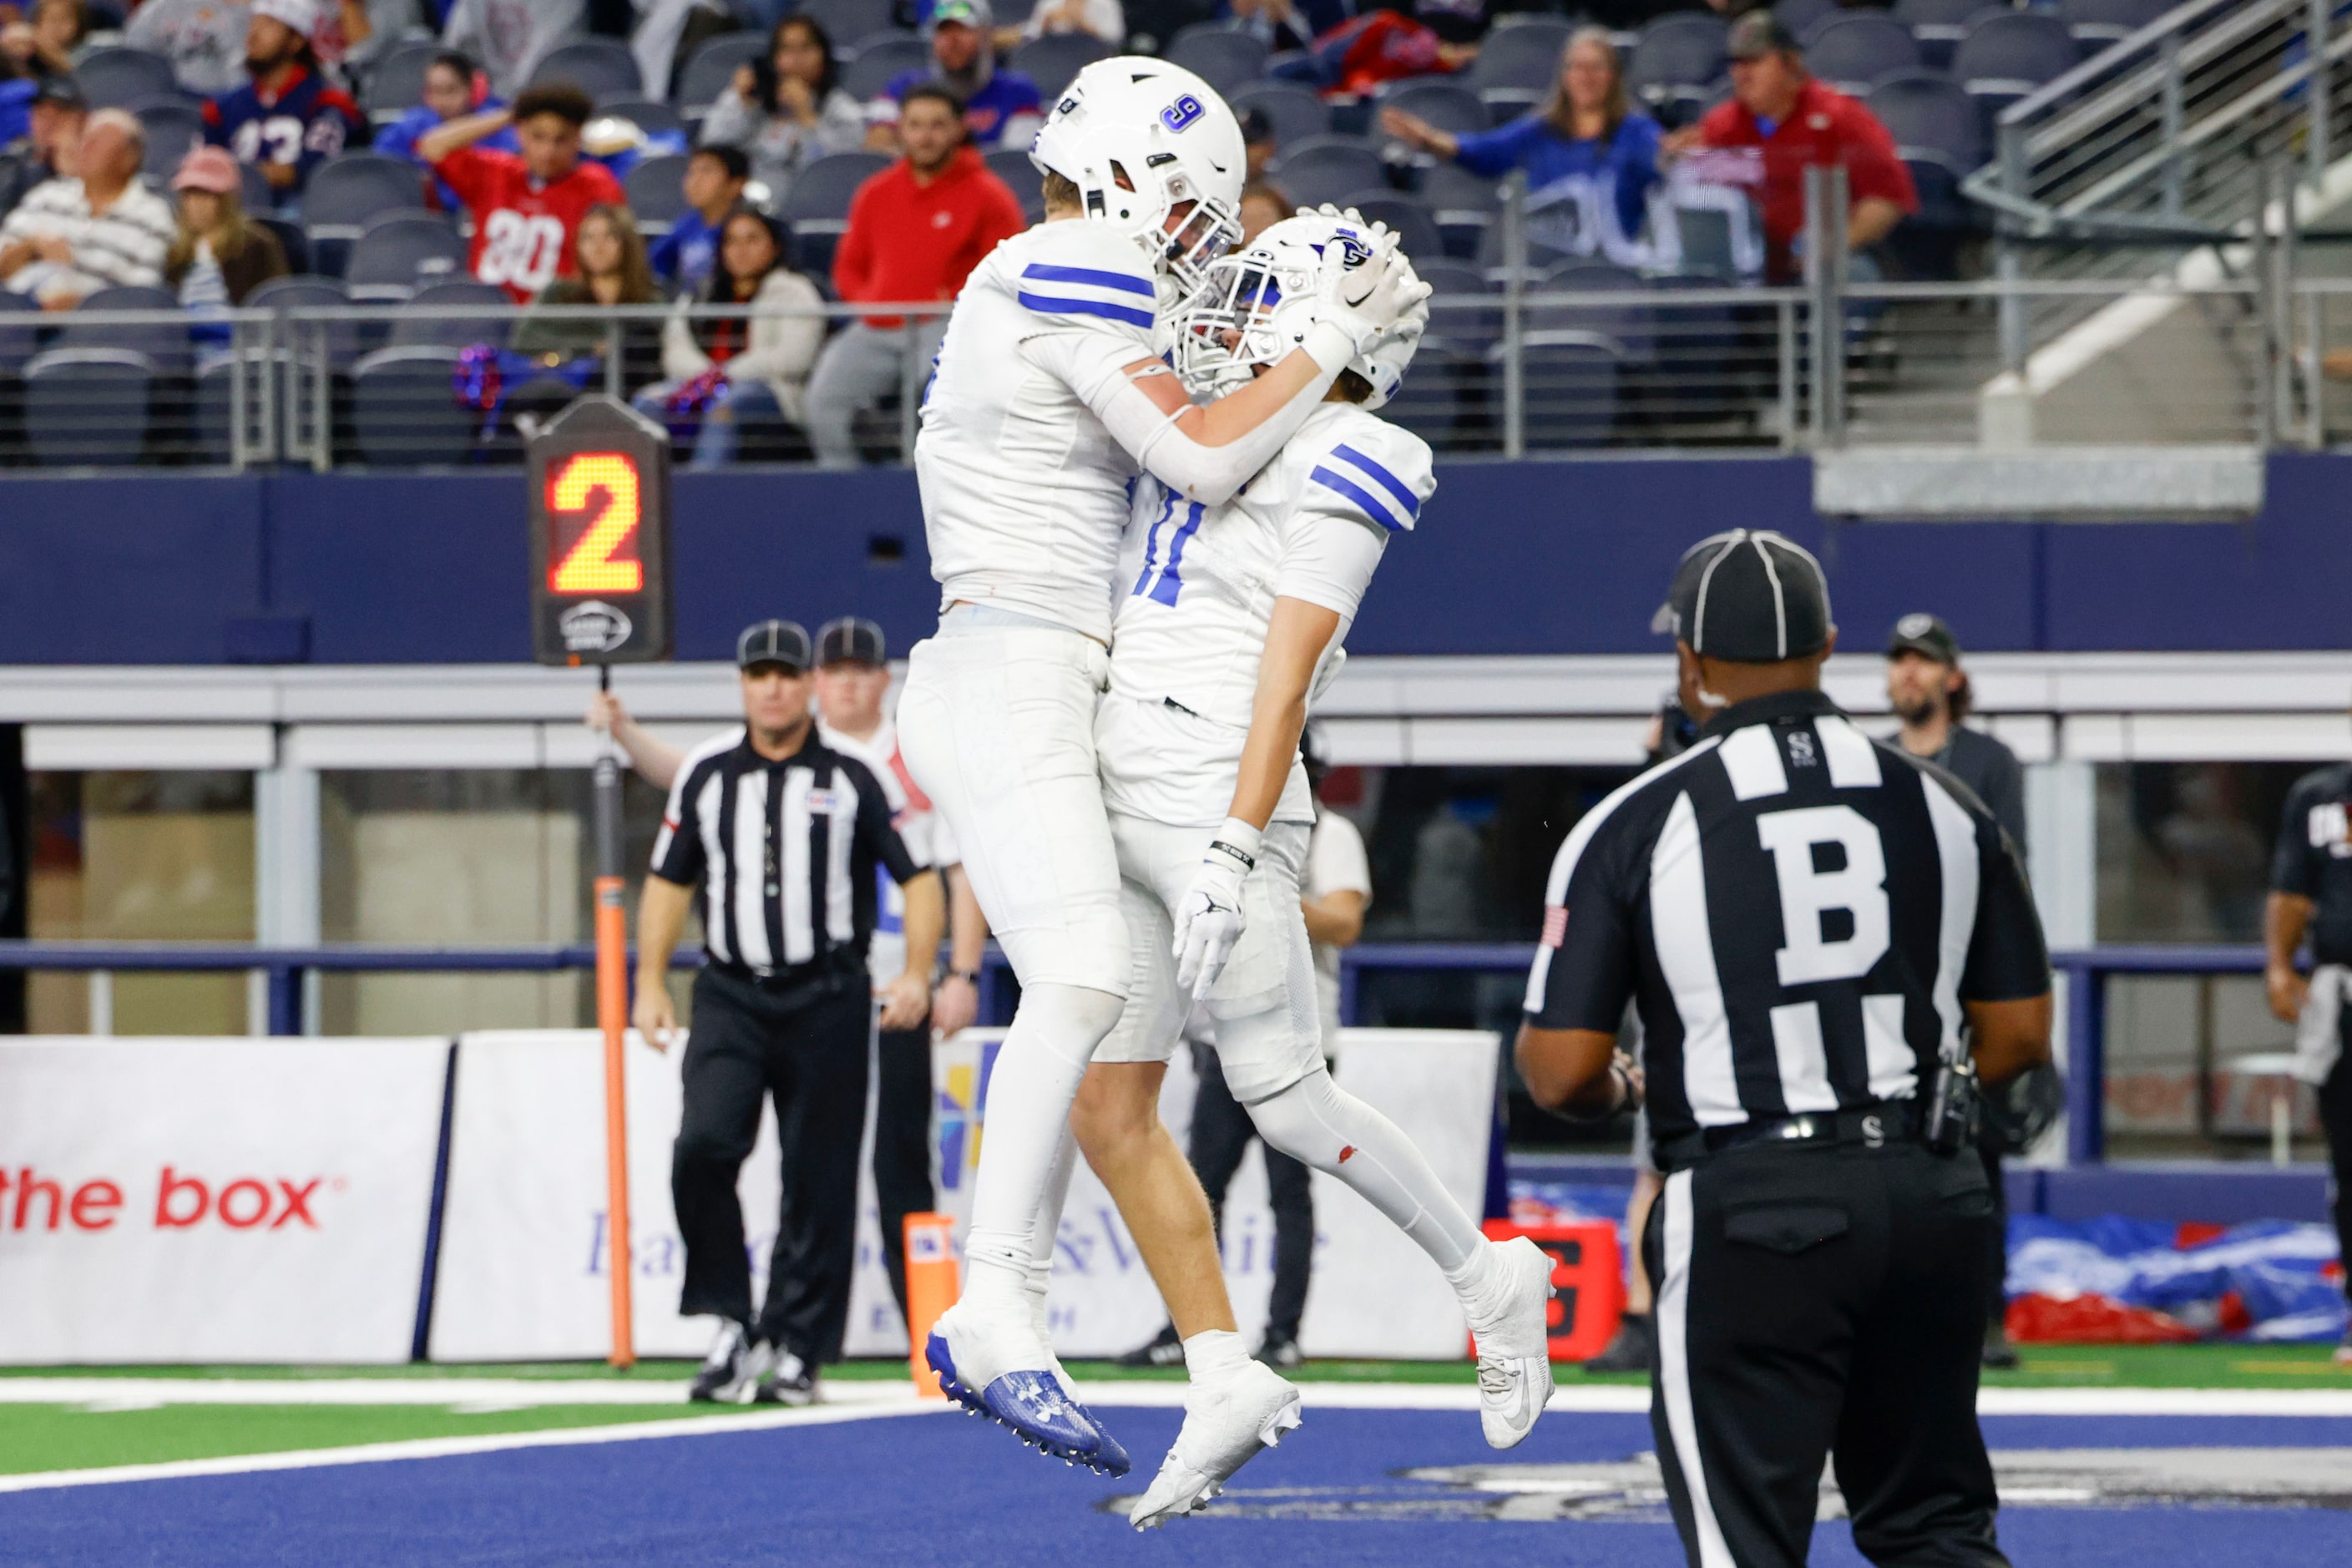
x: 1234, y: 323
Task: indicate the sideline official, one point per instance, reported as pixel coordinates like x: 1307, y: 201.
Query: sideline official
x: 780, y: 835
x: 1819, y: 931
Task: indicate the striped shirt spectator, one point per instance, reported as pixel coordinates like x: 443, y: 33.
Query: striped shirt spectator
x: 71, y: 237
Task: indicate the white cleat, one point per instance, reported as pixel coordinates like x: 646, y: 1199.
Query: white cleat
x: 1514, y: 1350
x: 1227, y: 1423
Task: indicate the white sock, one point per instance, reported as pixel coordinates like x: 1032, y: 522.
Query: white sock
x: 1480, y: 1275
x: 1045, y: 1055
x: 1317, y: 1121
x: 1213, y: 1353
x: 1040, y: 1272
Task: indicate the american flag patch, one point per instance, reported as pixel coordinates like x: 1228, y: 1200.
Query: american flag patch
x: 1555, y: 930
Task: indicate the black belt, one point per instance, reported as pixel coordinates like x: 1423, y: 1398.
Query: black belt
x: 802, y: 982
x: 1880, y: 1122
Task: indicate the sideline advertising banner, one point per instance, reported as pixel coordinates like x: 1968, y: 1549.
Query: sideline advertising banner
x: 215, y: 1200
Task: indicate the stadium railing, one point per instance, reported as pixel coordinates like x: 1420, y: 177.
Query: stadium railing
x: 279, y: 975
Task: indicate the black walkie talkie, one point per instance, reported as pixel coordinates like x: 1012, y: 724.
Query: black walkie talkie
x: 1953, y: 1110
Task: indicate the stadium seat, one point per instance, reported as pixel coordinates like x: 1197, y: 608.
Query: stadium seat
x: 844, y: 20
x: 1627, y: 319
x: 290, y: 239
x: 86, y: 406
x: 343, y: 337
x: 400, y: 253
x: 404, y: 408
x: 710, y: 69
x: 1801, y: 16
x: 2095, y: 24
x: 1011, y: 165
x: 1222, y: 56
x: 345, y: 192
x: 879, y: 58
x: 1446, y: 105
x: 1432, y: 401
x: 1464, y: 205
x: 602, y: 67
x: 1416, y: 231
x: 1676, y: 64
x: 426, y: 319
x: 1518, y: 65
x: 1324, y: 168
x: 1051, y: 61
x: 116, y: 77
x: 165, y: 344
x: 2008, y: 54
x: 1540, y: 255
x: 172, y: 125
x: 21, y: 325
x: 1713, y: 235
x: 283, y: 371
x: 1930, y: 116
x: 1295, y: 111
x: 1938, y: 26
x: 657, y: 191
x: 395, y: 84
x: 817, y: 205
x: 652, y: 118
x: 1570, y: 388
x: 1851, y: 51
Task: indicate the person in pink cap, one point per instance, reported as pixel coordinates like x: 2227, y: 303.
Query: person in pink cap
x: 219, y: 255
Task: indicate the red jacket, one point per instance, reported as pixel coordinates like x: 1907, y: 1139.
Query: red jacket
x: 910, y: 240
x: 1825, y: 127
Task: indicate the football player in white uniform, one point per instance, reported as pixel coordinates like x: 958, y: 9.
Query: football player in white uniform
x: 1231, y: 616
x: 1049, y: 396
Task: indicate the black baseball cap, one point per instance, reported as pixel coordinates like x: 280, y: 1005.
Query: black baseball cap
x: 1925, y: 634
x: 61, y: 90
x: 1757, y: 34
x: 774, y: 642
x: 1749, y: 596
x: 850, y: 639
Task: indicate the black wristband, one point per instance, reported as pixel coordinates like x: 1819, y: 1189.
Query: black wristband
x: 1249, y: 861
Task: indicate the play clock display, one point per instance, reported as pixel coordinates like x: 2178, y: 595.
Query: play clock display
x: 600, y: 584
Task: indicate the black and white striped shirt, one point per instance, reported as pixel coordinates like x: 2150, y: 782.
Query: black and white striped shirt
x: 1797, y: 913
x: 785, y: 852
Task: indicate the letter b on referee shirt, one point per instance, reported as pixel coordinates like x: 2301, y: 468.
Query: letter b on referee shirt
x: 1828, y: 860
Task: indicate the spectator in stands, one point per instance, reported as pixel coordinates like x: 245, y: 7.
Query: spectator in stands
x: 54, y: 123
x: 42, y: 43
x: 1284, y: 25
x: 204, y: 39
x: 715, y: 178
x: 610, y: 267
x: 788, y: 111
x: 289, y: 118
x: 1361, y: 53
x: 452, y: 88
x: 101, y: 229
x: 916, y: 230
x: 1785, y: 122
x: 1000, y: 108
x: 511, y: 37
x: 525, y: 208
x: 1587, y: 129
x: 1102, y: 19
x: 218, y: 256
x: 1262, y: 206
x: 730, y: 371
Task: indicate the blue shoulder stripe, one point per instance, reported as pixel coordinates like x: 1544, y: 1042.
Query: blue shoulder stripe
x: 1044, y: 273
x: 1053, y: 306
x: 1377, y: 512
x: 1382, y: 477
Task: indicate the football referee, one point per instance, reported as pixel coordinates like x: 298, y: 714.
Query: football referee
x: 1824, y: 938
x: 782, y: 835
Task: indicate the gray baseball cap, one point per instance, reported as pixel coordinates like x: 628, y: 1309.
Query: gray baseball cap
x: 774, y: 642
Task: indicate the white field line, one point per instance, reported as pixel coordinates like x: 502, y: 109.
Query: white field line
x: 512, y: 1393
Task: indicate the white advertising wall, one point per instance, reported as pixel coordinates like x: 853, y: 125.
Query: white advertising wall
x: 523, y: 1252
x: 215, y: 1200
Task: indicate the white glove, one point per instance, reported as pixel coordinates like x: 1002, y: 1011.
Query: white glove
x: 1209, y: 917
x: 1366, y: 300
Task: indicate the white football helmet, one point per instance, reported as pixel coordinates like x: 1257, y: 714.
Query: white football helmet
x: 1255, y: 306
x: 1140, y: 139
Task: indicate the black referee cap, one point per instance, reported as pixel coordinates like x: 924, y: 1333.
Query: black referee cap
x: 774, y: 642
x: 850, y: 639
x: 1749, y: 596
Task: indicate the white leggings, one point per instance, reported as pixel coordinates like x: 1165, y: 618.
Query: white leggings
x: 1320, y: 1124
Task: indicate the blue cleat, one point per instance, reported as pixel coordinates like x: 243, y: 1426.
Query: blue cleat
x: 1034, y: 1405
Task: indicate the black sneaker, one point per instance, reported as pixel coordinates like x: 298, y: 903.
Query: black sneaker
x: 1280, y: 1352
x: 1999, y: 1355
x: 791, y: 1381
x: 721, y: 1380
x: 1165, y: 1350
x: 1630, y: 1351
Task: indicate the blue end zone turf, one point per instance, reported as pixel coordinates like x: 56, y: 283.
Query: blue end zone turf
x: 940, y: 1489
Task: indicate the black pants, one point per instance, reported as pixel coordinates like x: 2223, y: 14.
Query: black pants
x: 1997, y: 1244
x: 2336, y: 1120
x: 1816, y: 1299
x: 902, y: 1142
x: 807, y: 1048
x: 1222, y: 1131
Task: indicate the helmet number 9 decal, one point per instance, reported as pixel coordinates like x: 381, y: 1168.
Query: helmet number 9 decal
x: 1182, y: 113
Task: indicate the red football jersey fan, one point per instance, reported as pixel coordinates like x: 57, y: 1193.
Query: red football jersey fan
x: 523, y: 228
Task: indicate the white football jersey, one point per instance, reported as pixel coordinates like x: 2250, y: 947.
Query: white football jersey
x: 1197, y: 590
x: 924, y: 831
x: 1025, y: 492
